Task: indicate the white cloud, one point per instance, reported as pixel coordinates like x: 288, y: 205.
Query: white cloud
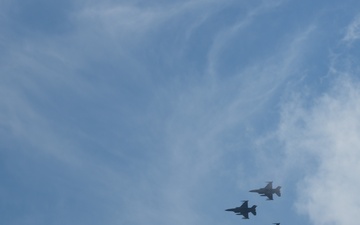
x: 353, y: 31
x: 323, y: 140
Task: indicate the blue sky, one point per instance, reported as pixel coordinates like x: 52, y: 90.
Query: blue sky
x: 168, y: 112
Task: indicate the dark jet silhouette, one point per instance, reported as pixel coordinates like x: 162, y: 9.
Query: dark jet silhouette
x: 268, y: 191
x: 244, y: 210
x: 276, y: 223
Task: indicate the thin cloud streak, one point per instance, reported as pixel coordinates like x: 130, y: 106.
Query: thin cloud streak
x: 127, y: 20
x: 224, y: 37
x: 353, y: 31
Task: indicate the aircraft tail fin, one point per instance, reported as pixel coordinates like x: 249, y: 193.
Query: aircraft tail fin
x: 253, y: 210
x: 277, y: 191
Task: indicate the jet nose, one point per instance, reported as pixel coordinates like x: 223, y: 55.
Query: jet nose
x: 252, y: 190
x: 227, y: 209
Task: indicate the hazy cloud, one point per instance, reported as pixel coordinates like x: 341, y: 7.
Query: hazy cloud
x: 353, y: 31
x: 322, y: 139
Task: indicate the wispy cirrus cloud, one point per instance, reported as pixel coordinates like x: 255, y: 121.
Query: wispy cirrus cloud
x: 352, y: 33
x: 134, y: 130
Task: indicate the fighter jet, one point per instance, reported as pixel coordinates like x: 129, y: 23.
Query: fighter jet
x: 268, y: 191
x: 276, y: 223
x: 244, y: 210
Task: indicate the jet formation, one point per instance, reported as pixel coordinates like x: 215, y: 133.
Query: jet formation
x: 268, y: 191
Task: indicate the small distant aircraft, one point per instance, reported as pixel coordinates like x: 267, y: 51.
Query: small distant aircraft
x: 244, y: 210
x: 276, y: 223
x: 268, y: 191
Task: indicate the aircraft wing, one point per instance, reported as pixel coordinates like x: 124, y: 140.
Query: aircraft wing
x: 246, y: 215
x: 269, y: 186
x: 244, y: 205
x: 270, y: 196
